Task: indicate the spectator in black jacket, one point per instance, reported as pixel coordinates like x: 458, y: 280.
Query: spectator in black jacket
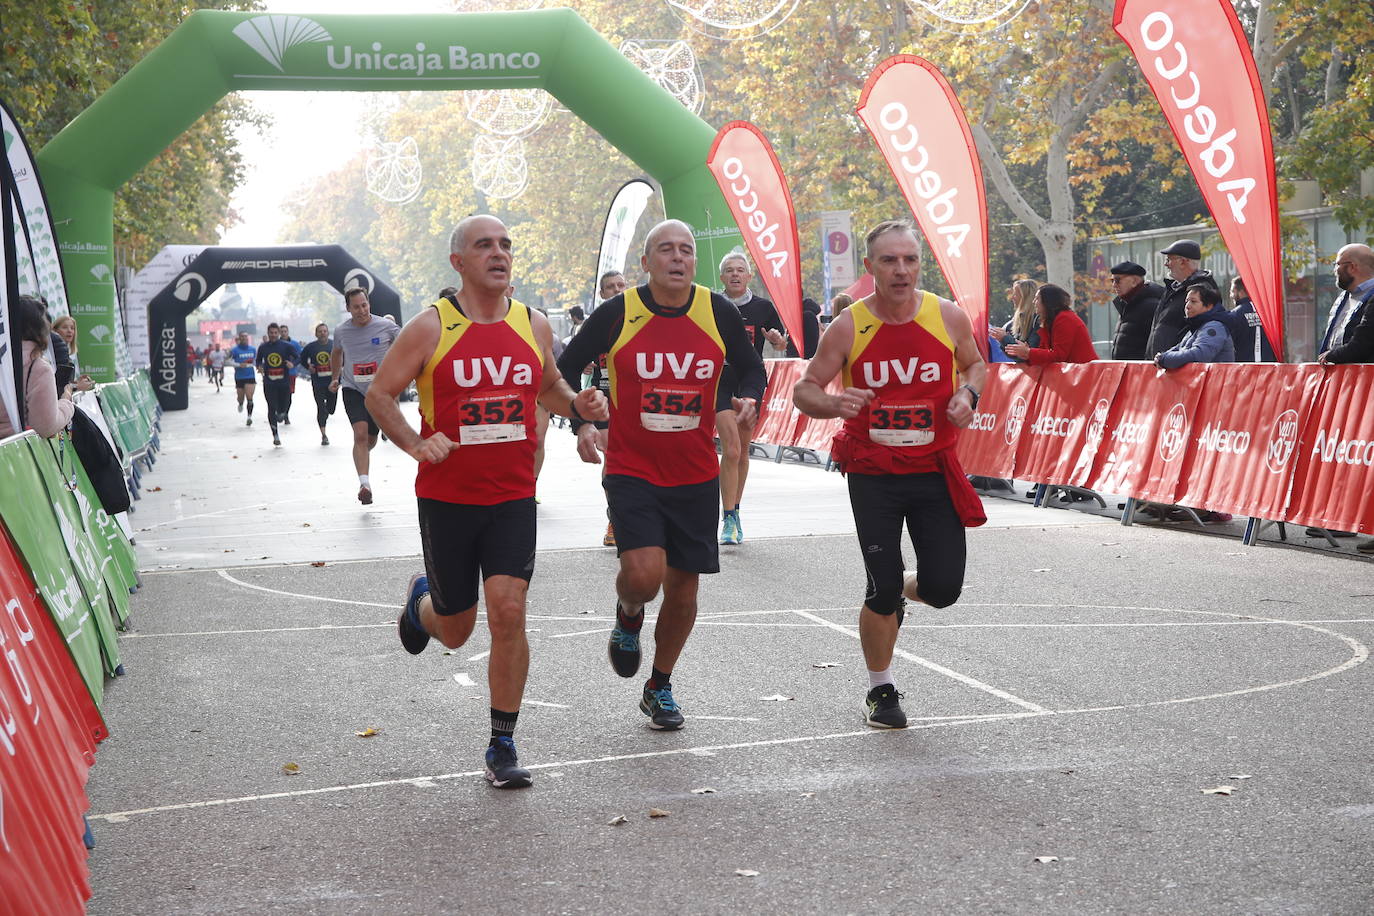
x: 1135, y: 302
x: 1252, y: 343
x: 811, y: 329
x: 1353, y: 340
x: 1183, y: 261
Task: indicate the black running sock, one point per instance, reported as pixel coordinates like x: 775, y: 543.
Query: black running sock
x: 503, y: 724
x: 250, y: 408
x: 628, y: 624
x: 659, y: 679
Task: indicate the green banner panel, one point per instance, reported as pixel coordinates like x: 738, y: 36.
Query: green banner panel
x: 113, y: 551
x: 29, y: 519
x: 81, y: 549
x: 215, y: 52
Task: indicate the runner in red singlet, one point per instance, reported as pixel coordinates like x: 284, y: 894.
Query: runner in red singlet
x: 912, y: 373
x: 665, y: 343
x: 480, y: 361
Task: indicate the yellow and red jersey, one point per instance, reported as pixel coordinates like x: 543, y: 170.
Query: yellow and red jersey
x: 479, y: 389
x: 912, y: 370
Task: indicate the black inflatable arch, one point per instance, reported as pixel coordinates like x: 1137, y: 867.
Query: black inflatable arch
x: 215, y: 267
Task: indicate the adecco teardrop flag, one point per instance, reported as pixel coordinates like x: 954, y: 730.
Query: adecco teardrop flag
x: 751, y: 179
x: 913, y: 114
x: 1195, y: 56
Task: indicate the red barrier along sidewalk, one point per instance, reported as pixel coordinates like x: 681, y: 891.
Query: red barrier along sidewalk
x: 1333, y: 486
x: 988, y: 447
x: 1245, y: 436
x: 47, y: 720
x: 1067, y: 419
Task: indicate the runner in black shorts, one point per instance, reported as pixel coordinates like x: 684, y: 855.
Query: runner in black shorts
x: 475, y: 482
x: 898, y: 443
x: 665, y: 344
x: 360, y: 345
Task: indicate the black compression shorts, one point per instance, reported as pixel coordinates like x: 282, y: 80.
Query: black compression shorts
x: 466, y: 545
x: 681, y: 520
x: 882, y: 503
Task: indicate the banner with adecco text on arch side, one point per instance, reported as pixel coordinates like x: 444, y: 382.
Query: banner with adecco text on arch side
x: 1197, y: 60
x: 750, y: 176
x: 988, y: 446
x: 919, y: 125
x: 1335, y: 455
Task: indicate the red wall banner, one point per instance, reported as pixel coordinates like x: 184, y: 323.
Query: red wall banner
x: 1245, y: 449
x: 1197, y: 60
x: 750, y: 177
x: 47, y: 718
x: 1332, y: 487
x: 988, y: 446
x: 1065, y: 425
x: 777, y: 415
x: 918, y: 123
x: 1146, y: 434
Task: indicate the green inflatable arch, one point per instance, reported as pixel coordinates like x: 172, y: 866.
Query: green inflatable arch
x: 213, y: 53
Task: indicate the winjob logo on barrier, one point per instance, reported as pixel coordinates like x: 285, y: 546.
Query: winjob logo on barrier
x: 1174, y: 433
x: 1283, y: 440
x: 1098, y: 424
x: 1015, y: 418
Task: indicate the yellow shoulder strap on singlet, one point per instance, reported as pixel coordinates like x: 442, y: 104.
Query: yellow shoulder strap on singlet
x: 518, y: 317
x: 865, y: 328
x: 704, y: 315
x: 932, y: 319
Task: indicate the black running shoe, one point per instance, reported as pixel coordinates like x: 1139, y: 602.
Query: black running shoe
x: 413, y: 635
x: 503, y: 766
x: 276, y: 440
x: 883, y: 708
x: 663, y: 712
x: 623, y: 649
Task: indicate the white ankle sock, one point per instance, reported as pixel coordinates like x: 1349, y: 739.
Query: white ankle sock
x: 363, y: 481
x: 879, y: 678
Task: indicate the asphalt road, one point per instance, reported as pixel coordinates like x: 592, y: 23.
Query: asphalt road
x: 1070, y: 716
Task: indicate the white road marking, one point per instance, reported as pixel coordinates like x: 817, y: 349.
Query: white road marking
x: 726, y: 718
x: 543, y: 703
x: 464, y: 679
x: 223, y: 574
x: 937, y: 668
x: 316, y: 629
x: 479, y: 656
x: 117, y: 817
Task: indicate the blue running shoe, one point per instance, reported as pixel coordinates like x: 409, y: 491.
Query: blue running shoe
x: 413, y: 635
x: 729, y: 530
x: 662, y: 710
x: 503, y: 766
x: 623, y: 648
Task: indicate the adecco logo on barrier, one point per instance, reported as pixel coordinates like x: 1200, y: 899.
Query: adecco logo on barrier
x: 1173, y: 434
x: 1016, y: 417
x: 983, y: 422
x: 1283, y: 439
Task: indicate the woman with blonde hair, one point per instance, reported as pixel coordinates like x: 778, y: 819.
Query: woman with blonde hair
x: 65, y: 327
x: 1024, y: 320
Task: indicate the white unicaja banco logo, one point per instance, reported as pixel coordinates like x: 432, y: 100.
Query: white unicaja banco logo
x: 271, y: 36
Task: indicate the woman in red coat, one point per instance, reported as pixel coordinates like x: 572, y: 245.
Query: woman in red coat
x: 1064, y: 337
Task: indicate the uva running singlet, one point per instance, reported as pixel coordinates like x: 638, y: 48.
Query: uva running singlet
x: 913, y: 372
x: 663, y: 393
x: 479, y: 389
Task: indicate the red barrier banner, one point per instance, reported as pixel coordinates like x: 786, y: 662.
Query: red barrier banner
x: 915, y: 117
x: 1331, y: 488
x: 818, y: 435
x: 47, y: 720
x: 778, y: 416
x: 1197, y: 60
x: 988, y: 446
x: 1243, y: 451
x: 1064, y: 427
x: 750, y: 176
x: 1146, y: 435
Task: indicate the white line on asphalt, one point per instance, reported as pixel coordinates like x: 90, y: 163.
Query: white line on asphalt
x: 323, y: 626
x: 276, y: 591
x: 464, y: 680
x: 117, y: 817
x: 555, y: 705
x: 937, y: 668
x: 479, y: 656
x: 729, y: 718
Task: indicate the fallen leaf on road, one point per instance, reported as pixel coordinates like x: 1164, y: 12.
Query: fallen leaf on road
x: 617, y: 820
x: 746, y: 873
x: 291, y: 769
x: 658, y: 812
x: 1247, y: 776
x: 368, y: 733
x: 1043, y: 860
x: 152, y: 489
x: 704, y: 790
x: 777, y: 698
x: 1219, y: 790
x: 1044, y: 569
x: 317, y: 563
x: 808, y: 795
x: 825, y: 664
x: 305, y: 524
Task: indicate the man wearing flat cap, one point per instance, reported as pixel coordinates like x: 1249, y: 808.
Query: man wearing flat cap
x: 1135, y: 303
x: 1183, y: 261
